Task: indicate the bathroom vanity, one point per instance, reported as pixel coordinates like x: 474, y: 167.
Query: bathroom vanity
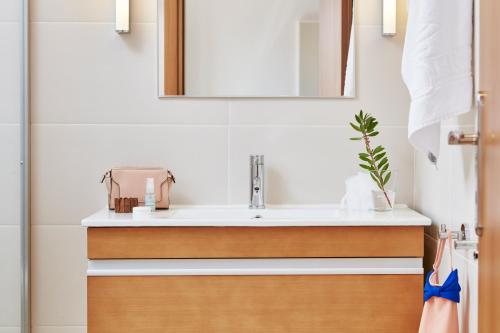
x: 232, y: 269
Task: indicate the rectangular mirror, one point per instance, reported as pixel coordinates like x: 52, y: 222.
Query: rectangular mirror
x: 256, y: 48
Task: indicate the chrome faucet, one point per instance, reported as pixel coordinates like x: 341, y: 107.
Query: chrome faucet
x: 257, y: 182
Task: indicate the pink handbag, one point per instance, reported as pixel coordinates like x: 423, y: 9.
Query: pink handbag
x: 440, y: 314
x: 131, y: 183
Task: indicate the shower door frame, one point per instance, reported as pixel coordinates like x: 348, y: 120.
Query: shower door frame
x: 24, y: 165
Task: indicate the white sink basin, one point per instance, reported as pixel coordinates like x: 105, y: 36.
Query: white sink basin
x: 238, y: 214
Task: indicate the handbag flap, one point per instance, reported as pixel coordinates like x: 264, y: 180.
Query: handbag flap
x: 131, y: 182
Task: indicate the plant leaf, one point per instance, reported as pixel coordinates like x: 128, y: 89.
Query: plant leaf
x: 373, y: 124
x: 366, y: 159
x: 378, y: 150
x: 358, y: 119
x: 379, y: 156
x: 387, y: 177
x: 355, y: 127
x: 383, y: 162
x: 384, y: 169
x: 373, y: 134
x: 355, y: 139
x: 367, y: 167
x: 375, y: 179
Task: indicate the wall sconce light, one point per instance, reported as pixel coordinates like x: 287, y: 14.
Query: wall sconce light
x: 389, y: 17
x: 122, y: 16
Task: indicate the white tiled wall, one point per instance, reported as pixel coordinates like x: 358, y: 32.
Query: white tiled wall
x: 10, y: 43
x: 94, y: 106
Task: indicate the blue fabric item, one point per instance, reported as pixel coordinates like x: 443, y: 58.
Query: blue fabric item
x: 450, y: 289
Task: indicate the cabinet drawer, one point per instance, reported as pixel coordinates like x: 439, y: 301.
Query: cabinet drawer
x: 254, y: 242
x: 249, y: 304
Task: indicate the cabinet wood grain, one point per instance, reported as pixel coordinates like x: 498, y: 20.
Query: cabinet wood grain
x: 254, y: 304
x: 254, y: 242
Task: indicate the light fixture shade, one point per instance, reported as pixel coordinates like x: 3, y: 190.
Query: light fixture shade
x: 122, y: 16
x: 389, y: 8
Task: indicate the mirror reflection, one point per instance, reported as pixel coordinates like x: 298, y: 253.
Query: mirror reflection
x: 256, y: 48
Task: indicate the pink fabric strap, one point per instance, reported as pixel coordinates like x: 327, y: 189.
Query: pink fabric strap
x: 450, y: 244
x: 439, y: 256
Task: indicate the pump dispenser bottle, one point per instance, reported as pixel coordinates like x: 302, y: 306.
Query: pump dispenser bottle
x: 149, y: 197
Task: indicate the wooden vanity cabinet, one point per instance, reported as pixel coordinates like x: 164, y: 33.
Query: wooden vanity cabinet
x: 344, y: 303
x: 255, y: 242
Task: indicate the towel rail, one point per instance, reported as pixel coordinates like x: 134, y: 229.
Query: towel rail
x: 460, y: 138
x: 461, y: 239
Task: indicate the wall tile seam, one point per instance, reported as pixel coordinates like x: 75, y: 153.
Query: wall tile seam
x: 228, y: 154
x: 333, y: 126
x: 412, y: 179
x: 111, y: 23
x: 59, y: 328
x: 66, y: 225
x: 400, y: 27
x: 414, y: 183
x: 35, y: 325
x: 194, y: 125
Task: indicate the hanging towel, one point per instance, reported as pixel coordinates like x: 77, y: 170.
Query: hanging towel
x: 440, y: 314
x: 437, y: 67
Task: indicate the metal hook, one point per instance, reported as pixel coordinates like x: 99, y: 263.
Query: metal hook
x: 461, y: 239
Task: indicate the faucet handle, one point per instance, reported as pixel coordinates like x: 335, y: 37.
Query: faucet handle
x: 256, y: 159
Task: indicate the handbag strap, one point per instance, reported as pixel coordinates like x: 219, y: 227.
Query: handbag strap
x: 109, y: 184
x: 450, y: 247
x: 439, y: 255
x: 171, y: 175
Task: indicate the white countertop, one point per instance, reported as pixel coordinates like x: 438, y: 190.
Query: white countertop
x: 273, y: 216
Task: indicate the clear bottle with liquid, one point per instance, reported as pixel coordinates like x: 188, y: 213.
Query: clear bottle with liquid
x: 150, y: 197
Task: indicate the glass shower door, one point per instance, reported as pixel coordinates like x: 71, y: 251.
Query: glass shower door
x: 12, y: 173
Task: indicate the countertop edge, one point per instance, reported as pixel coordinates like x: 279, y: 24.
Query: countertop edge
x: 414, y: 219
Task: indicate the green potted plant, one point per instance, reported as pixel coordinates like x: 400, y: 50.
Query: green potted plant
x: 374, y: 160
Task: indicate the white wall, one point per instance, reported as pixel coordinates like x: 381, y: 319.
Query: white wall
x: 447, y: 196
x: 10, y: 71
x: 253, y: 43
x: 95, y: 106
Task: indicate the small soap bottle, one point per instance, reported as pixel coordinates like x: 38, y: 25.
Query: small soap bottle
x: 149, y: 197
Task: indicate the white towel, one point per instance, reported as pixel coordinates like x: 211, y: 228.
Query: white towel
x: 437, y: 67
